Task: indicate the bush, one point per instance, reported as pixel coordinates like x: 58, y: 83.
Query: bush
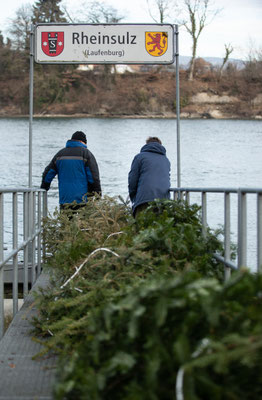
x: 137, y: 346
x: 137, y: 309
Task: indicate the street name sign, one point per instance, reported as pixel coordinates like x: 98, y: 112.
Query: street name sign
x: 104, y: 43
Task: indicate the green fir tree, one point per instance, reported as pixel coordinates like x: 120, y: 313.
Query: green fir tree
x: 45, y: 11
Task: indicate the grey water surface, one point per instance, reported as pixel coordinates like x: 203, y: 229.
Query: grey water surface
x: 214, y: 153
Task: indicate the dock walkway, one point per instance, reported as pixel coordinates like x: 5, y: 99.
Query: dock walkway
x: 21, y: 377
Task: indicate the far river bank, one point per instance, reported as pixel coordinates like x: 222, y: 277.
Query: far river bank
x: 151, y: 95
x: 210, y: 114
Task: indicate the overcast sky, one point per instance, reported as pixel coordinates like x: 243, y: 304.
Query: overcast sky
x: 239, y: 23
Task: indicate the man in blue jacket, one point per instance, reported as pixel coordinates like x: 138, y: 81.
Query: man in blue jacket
x: 77, y: 170
x: 149, y: 177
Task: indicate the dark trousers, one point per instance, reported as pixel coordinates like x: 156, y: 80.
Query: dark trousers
x: 72, y: 207
x: 140, y: 208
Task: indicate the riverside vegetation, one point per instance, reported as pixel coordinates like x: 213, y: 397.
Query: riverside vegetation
x: 66, y: 90
x: 230, y: 89
x: 138, y: 309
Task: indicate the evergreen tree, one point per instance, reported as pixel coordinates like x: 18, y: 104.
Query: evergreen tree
x: 45, y: 11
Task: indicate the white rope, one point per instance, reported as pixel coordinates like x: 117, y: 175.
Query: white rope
x: 115, y: 233
x: 83, y: 263
x: 180, y: 375
x: 179, y: 384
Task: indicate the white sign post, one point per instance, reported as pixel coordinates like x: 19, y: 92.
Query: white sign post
x: 104, y: 44
x: 53, y: 43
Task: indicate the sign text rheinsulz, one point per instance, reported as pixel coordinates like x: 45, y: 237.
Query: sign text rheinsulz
x: 101, y: 44
x: 82, y: 38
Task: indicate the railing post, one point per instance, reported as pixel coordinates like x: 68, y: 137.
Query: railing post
x: 33, y: 233
x: 15, y: 257
x: 188, y: 197
x: 26, y: 234
x: 39, y: 238
x: 45, y: 205
x: 2, y: 314
x: 259, y: 232
x: 30, y: 233
x: 45, y: 208
x: 227, y: 233
x: 204, y: 213
x: 242, y: 229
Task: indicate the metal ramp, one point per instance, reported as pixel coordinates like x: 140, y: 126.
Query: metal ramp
x: 21, y: 377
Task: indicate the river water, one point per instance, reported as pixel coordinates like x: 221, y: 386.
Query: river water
x: 214, y: 153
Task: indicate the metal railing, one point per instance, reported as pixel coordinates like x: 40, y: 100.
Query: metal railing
x: 241, y: 204
x: 21, y: 213
x: 33, y: 207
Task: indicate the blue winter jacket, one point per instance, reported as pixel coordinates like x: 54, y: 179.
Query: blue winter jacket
x: 149, y: 177
x: 77, y: 170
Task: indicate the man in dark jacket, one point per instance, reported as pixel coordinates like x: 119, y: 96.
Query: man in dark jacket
x: 149, y: 177
x: 77, y: 170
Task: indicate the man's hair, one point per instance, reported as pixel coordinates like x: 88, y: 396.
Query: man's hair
x: 79, y: 135
x: 153, y: 139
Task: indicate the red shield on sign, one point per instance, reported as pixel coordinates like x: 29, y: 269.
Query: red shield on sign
x: 52, y: 43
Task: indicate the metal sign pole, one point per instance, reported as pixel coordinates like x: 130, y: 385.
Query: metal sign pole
x: 31, y: 83
x: 177, y: 109
x: 88, y: 44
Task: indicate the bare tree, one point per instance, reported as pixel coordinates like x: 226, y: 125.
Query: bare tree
x: 198, y: 14
x: 20, y: 27
x: 161, y: 10
x: 229, y: 49
x: 103, y: 13
x: 94, y: 12
x: 1, y: 40
x: 253, y: 64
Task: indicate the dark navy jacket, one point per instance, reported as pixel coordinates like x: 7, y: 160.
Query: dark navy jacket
x: 77, y: 171
x: 149, y: 177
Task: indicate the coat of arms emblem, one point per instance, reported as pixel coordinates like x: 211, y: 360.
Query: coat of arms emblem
x: 52, y: 43
x: 156, y: 43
